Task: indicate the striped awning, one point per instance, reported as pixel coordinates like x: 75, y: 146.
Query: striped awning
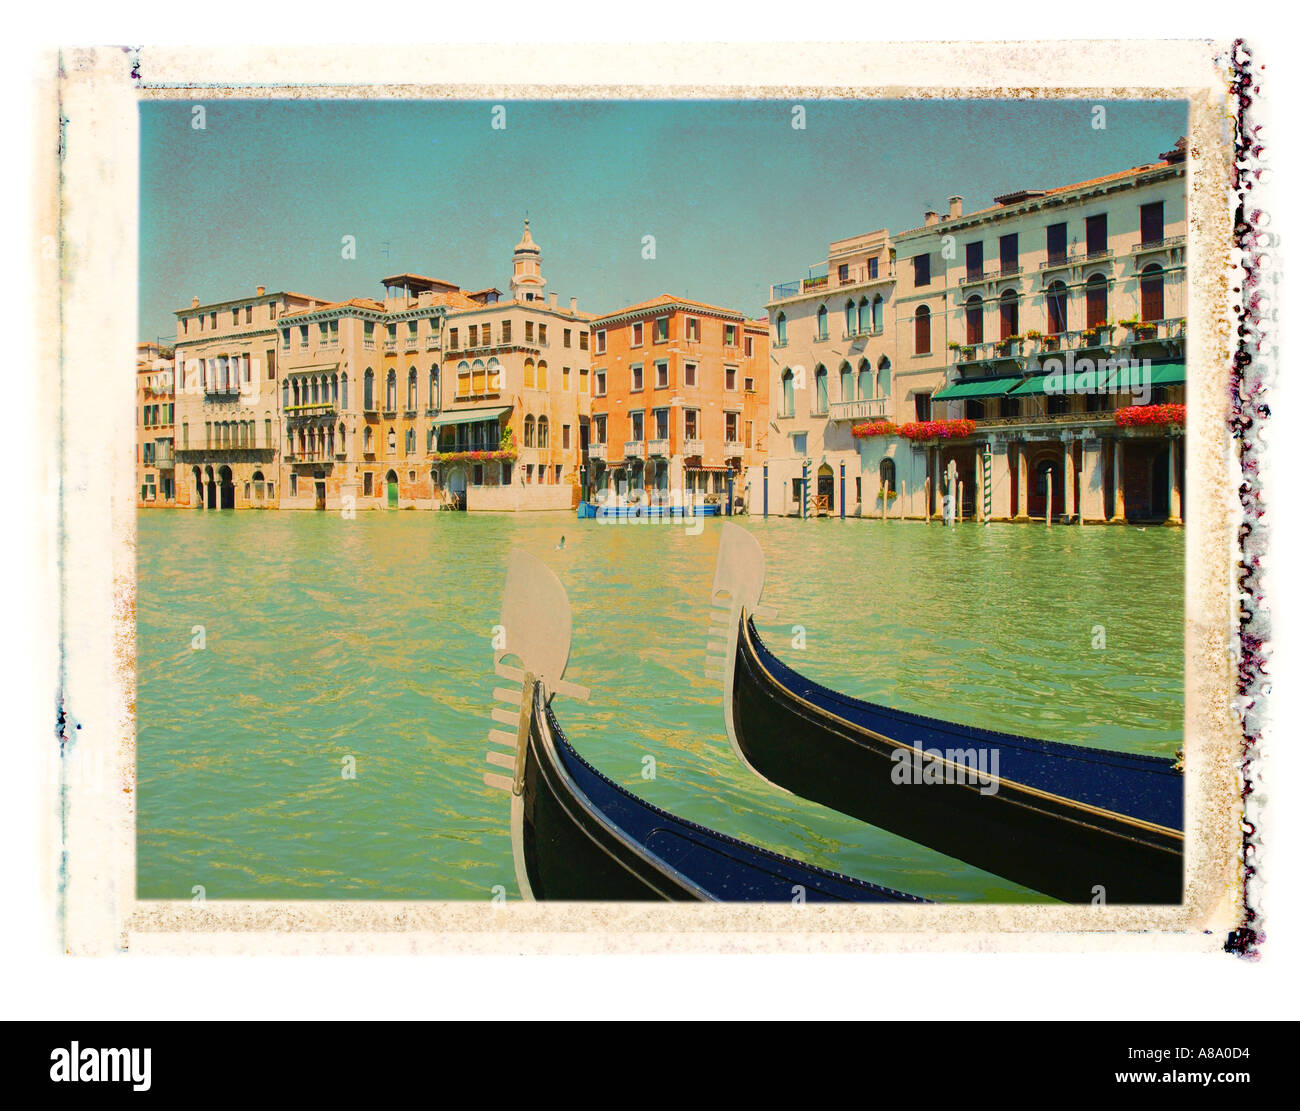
x: 469, y: 416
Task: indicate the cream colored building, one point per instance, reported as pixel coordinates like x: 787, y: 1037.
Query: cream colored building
x: 1080, y: 277
x: 833, y: 361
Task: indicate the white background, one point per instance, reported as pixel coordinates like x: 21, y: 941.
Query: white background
x: 41, y: 983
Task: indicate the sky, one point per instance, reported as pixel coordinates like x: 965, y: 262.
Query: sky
x: 737, y: 198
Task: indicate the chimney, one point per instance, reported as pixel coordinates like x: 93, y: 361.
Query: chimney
x: 261, y: 291
x: 555, y: 300
x: 954, y: 207
x: 195, y: 303
x: 931, y: 217
x: 573, y: 304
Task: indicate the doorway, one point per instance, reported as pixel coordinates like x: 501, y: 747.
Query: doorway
x: 391, y: 480
x: 825, y: 489
x: 227, y: 488
x: 320, y: 495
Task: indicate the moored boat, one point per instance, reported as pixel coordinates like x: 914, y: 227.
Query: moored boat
x: 578, y: 835
x: 1084, y: 825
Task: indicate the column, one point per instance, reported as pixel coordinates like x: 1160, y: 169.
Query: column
x: 1022, y: 483
x: 981, y: 480
x: 1092, y: 491
x: 1117, y: 484
x: 1001, y: 480
x: 1067, y: 493
x: 1175, y: 486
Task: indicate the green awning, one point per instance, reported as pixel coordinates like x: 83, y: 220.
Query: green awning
x: 469, y: 416
x: 1166, y: 374
x: 976, y: 387
x: 1035, y: 385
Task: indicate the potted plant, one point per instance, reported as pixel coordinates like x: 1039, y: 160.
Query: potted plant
x: 1141, y: 329
x: 1009, y: 346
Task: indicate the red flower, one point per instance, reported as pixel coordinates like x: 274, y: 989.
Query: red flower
x: 875, y: 428
x: 1151, y: 416
x: 937, y: 429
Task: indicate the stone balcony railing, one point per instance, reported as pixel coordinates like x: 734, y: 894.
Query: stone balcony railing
x: 597, y: 452
x: 732, y: 448
x: 659, y: 448
x: 872, y: 408
x: 432, y: 343
x: 634, y: 449
x: 390, y: 345
x: 693, y: 445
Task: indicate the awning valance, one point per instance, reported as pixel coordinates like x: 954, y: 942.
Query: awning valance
x: 469, y: 416
x: 977, y: 387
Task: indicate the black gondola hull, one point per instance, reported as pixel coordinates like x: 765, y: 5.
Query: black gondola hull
x: 1073, y: 850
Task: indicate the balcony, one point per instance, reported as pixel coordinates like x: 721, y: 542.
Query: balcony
x: 634, y: 449
x: 162, y: 459
x: 973, y: 276
x: 1056, y: 261
x: 693, y: 445
x: 368, y: 343
x: 988, y: 351
x: 412, y: 344
x: 732, y: 449
x: 597, y: 452
x: 390, y: 345
x: 872, y: 408
x: 312, y: 409
x: 658, y: 448
x: 1160, y: 244
x: 1146, y: 331
x: 432, y: 343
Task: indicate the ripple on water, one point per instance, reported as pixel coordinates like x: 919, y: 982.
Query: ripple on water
x: 370, y: 640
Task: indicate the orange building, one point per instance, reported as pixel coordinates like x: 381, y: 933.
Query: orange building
x: 679, y: 399
x: 155, y: 427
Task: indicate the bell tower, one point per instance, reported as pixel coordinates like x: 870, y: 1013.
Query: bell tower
x: 527, y: 283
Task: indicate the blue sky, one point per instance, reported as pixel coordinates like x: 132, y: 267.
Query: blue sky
x: 736, y: 198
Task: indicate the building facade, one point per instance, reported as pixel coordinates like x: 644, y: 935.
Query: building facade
x: 680, y: 401
x: 155, y: 432
x: 433, y: 397
x: 1042, y: 321
x: 833, y: 365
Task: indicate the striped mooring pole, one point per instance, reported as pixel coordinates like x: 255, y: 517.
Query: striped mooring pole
x: 765, y: 491
x: 805, y: 490
x: 988, y: 483
x: 842, y: 488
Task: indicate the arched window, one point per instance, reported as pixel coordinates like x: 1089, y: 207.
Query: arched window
x: 878, y: 314
x: 1009, y: 312
x: 433, y: 387
x: 392, y: 441
x: 974, y: 320
x: 343, y: 439
x: 883, y: 383
x: 780, y: 329
x: 494, y: 382
x: 368, y: 440
x: 543, y: 382
x: 412, y: 391
x: 887, y: 474
x: 462, y: 380
x: 390, y: 391
x: 820, y: 381
x: 334, y: 388
x: 529, y: 426
x: 1058, y: 299
x: 865, y: 376
x: 530, y: 375
x: 922, y: 330
x: 823, y: 318
x: 850, y: 317
x: 345, y: 390
x: 864, y: 316
x: 543, y: 432
x: 368, y: 391
x: 479, y: 378
x: 1095, y: 294
x: 1153, y: 293
x: 284, y: 392
x: 846, y: 382
x: 787, y: 392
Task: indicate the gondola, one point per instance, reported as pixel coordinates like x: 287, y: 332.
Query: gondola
x: 1083, y: 825
x: 576, y: 834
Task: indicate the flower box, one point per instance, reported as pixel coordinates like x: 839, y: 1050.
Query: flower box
x: 1151, y: 416
x: 937, y: 429
x: 875, y: 428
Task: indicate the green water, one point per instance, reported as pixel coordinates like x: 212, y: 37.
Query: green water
x: 370, y: 638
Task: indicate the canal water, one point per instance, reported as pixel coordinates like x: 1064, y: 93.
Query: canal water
x: 327, y: 638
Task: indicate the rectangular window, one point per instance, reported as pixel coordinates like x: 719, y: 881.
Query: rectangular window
x: 975, y: 260
x: 749, y: 433
x: 922, y: 402
x: 582, y: 341
x: 1056, y: 247
x: 729, y: 335
x: 568, y: 337
x: 599, y: 422
x: 272, y: 306
x: 638, y: 382
x: 1009, y: 253
x: 800, y: 443
x: 733, y: 427
x: 729, y: 378
x: 1095, y: 228
x: 690, y: 375
x: 505, y: 474
x: 367, y: 484
x: 693, y: 329
x: 661, y: 424
x: 528, y: 331
x: 1153, y: 222
x: 582, y: 380
x: 638, y: 334
x: 661, y: 329
x: 873, y: 268
x: 692, y: 424
x: 478, y: 474
x: 661, y: 376
x: 921, y: 270
x: 638, y: 425
x: 453, y: 338
x: 473, y: 335
x: 293, y: 485
x: 564, y: 379
x: 600, y: 342
x: 749, y: 347
x: 487, y: 335
x: 749, y: 385
x: 505, y: 331
x: 843, y: 273
x: 975, y: 322
x: 541, y: 333
x: 564, y: 436
x: 600, y: 383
